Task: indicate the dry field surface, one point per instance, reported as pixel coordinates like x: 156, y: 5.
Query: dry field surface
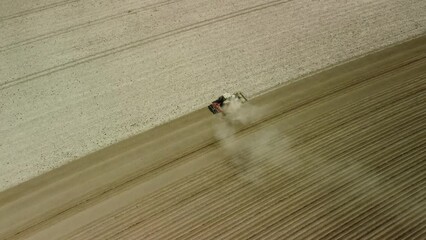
x: 337, y: 155
x: 77, y: 76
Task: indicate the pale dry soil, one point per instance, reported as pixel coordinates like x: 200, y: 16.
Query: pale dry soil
x: 77, y: 76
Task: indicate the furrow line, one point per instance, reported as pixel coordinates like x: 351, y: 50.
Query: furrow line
x: 379, y: 214
x: 347, y: 163
x: 398, y: 225
x: 288, y: 222
x: 164, y: 197
x: 312, y: 225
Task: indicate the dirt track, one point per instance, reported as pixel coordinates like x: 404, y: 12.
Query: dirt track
x: 339, y: 155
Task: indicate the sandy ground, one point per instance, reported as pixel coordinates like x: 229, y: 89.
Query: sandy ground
x: 76, y: 76
x: 338, y: 155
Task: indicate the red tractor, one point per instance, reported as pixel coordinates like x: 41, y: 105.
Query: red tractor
x: 220, y: 104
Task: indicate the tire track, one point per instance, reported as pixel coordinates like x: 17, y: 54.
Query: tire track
x: 139, y: 43
x: 84, y: 25
x: 37, y: 9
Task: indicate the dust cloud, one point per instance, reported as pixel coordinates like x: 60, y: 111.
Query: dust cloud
x: 349, y: 182
x: 253, y: 151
